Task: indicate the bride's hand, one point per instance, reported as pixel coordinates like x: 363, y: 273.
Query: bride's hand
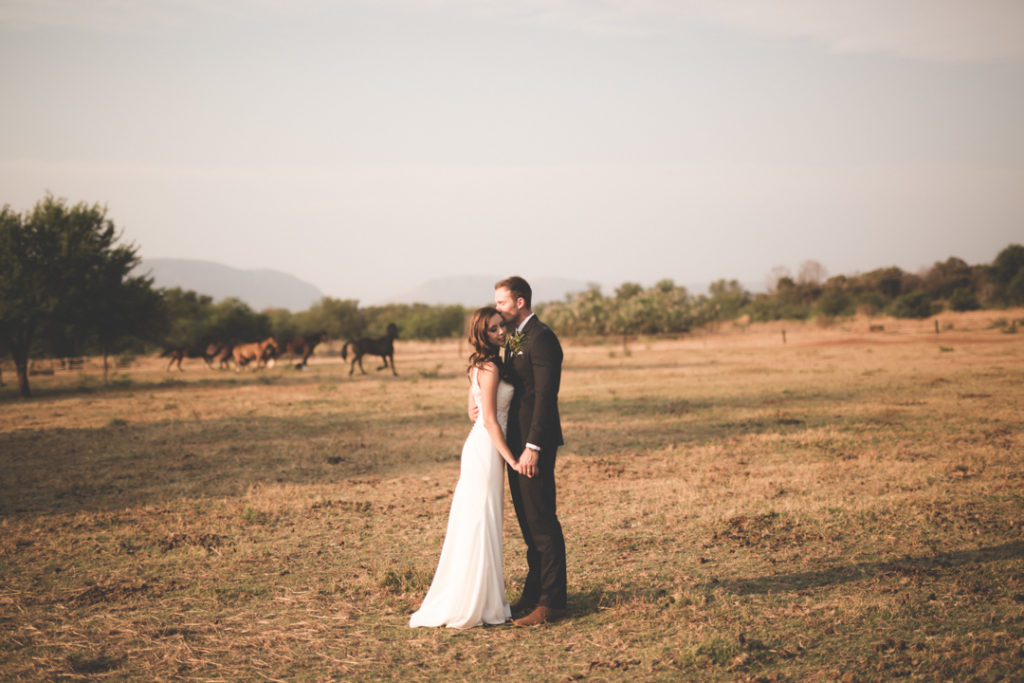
x: 527, y: 463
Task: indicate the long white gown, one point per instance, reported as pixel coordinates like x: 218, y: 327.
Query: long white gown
x: 469, y: 586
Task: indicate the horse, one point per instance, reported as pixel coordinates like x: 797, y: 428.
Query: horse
x: 179, y: 353
x: 382, y: 346
x: 220, y: 354
x: 256, y: 351
x: 302, y: 346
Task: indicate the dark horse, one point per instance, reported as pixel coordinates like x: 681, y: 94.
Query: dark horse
x: 302, y: 346
x: 382, y: 346
x: 179, y: 353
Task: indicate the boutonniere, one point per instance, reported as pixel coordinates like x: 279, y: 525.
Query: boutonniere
x: 515, y: 342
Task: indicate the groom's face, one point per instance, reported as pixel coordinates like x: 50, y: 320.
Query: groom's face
x: 511, y: 309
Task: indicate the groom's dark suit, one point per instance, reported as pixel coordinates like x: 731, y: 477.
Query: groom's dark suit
x: 533, y: 418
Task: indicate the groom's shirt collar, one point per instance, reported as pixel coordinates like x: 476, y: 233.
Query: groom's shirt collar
x: 523, y: 324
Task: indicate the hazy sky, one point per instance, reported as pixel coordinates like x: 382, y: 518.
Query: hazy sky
x: 368, y: 146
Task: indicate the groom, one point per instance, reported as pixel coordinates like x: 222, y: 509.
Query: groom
x: 534, y: 358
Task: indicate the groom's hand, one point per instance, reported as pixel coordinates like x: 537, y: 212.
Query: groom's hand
x: 474, y: 411
x: 528, y: 462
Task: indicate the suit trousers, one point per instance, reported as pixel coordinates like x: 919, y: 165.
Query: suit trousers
x: 535, y: 505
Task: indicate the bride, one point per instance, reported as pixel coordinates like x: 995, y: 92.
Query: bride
x: 469, y: 586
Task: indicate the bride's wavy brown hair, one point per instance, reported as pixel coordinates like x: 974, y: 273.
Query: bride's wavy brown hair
x: 483, y: 350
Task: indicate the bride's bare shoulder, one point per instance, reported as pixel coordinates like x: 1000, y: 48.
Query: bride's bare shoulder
x: 488, y: 368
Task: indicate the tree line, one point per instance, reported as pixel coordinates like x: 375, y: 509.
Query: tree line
x: 68, y: 289
x: 667, y: 308
x: 191, y: 318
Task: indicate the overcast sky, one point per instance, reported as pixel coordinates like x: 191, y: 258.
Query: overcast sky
x: 369, y: 146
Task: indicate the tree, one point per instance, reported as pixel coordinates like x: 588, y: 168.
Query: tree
x: 189, y: 315
x: 62, y: 271
x: 233, y: 321
x: 123, y: 311
x: 1007, y: 274
x: 912, y: 305
x: 627, y: 290
x: 834, y: 300
x: 944, y: 278
x: 727, y: 298
x: 887, y: 282
x: 341, y: 319
x: 776, y: 274
x: 964, y: 300
x: 811, y: 273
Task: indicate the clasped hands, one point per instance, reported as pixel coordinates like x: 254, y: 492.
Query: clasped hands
x: 526, y: 465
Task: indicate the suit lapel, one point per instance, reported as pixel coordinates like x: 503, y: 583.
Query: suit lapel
x: 521, y: 361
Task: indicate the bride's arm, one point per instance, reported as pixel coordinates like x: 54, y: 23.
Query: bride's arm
x: 487, y: 377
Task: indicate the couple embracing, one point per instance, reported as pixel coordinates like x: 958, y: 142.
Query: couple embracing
x: 514, y: 374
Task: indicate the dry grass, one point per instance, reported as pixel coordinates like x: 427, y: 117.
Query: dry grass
x: 847, y: 505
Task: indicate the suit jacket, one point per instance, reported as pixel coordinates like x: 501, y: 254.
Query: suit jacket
x: 536, y: 375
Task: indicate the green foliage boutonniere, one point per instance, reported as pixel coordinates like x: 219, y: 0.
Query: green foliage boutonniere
x: 515, y: 342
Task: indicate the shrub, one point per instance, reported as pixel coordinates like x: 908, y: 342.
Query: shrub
x: 964, y: 300
x: 912, y: 305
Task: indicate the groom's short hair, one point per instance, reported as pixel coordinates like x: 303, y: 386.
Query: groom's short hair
x: 518, y: 287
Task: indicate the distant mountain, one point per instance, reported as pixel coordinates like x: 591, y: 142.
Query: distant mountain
x: 478, y: 290
x: 261, y: 289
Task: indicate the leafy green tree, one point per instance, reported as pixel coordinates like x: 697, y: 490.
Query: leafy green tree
x: 727, y: 299
x: 888, y: 282
x: 946, y: 277
x: 283, y: 324
x: 62, y: 271
x: 1015, y: 290
x: 627, y: 290
x: 592, y: 311
x: 189, y: 317
x: 234, y: 322
x: 964, y: 300
x: 560, y: 316
x: 787, y: 302
x: 834, y: 300
x: 340, y: 318
x: 417, y: 321
x: 125, y: 312
x: 1007, y: 275
x: 912, y: 305
x: 629, y: 312
x: 667, y: 308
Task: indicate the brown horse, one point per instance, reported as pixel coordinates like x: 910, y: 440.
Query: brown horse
x: 220, y: 354
x: 260, y: 352
x: 179, y: 353
x: 302, y: 346
x: 382, y: 346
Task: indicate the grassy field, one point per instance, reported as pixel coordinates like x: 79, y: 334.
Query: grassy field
x: 842, y: 506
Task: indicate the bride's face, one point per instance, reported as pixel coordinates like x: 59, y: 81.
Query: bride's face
x: 496, y: 330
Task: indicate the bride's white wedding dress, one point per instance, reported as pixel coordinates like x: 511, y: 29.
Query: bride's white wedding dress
x: 469, y: 586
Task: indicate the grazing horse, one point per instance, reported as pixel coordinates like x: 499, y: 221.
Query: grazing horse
x: 179, y: 353
x: 256, y: 351
x: 382, y: 346
x: 302, y: 346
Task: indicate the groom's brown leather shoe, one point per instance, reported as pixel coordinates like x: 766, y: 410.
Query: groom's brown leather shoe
x: 541, y: 615
x: 522, y: 607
